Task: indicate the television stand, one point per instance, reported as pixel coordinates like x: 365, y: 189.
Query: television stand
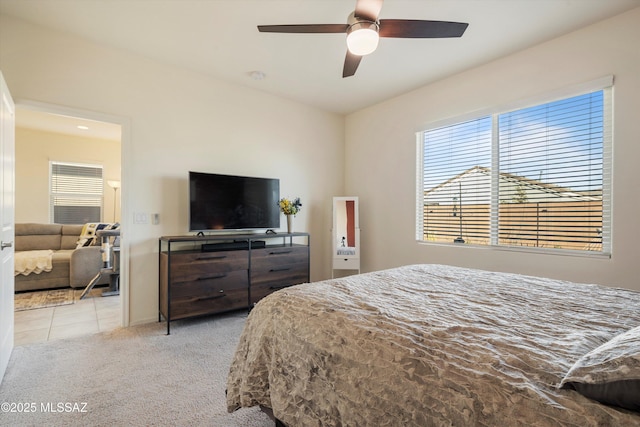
x: 203, y: 275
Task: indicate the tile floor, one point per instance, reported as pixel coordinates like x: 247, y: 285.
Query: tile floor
x: 93, y: 314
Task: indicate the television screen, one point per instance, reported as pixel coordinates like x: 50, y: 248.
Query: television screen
x: 228, y: 202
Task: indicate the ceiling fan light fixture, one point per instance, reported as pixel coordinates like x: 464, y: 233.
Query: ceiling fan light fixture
x: 363, y: 31
x: 362, y: 38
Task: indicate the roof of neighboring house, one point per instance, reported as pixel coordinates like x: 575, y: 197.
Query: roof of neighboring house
x: 480, y: 178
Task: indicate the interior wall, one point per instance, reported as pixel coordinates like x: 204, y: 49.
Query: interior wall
x: 181, y: 121
x: 382, y: 138
x: 36, y: 148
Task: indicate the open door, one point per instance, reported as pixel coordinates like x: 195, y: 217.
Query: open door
x: 7, y: 198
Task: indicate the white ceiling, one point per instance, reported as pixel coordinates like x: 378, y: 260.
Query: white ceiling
x: 219, y: 38
x: 67, y: 125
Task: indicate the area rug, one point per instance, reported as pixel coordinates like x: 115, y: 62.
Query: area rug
x: 42, y: 299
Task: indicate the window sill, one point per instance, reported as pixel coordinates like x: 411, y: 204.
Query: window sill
x: 530, y: 250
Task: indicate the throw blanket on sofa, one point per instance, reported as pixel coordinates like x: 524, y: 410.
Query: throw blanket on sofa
x: 89, y: 236
x: 27, y: 262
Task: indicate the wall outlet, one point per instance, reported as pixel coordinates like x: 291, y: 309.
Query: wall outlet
x: 155, y: 218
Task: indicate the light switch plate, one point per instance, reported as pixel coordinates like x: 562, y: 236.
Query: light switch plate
x: 140, y: 218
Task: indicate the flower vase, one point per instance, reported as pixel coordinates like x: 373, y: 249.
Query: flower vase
x: 289, y: 223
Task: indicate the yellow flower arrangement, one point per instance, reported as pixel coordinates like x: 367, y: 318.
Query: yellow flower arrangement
x: 290, y: 207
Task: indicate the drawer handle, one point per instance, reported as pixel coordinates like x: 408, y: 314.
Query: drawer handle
x: 217, y: 276
x: 211, y: 257
x: 280, y: 252
x: 279, y: 269
x: 222, y: 294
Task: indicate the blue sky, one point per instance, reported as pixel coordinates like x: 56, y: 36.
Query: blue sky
x: 556, y: 143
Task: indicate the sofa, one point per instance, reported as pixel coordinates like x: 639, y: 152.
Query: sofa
x: 72, y: 266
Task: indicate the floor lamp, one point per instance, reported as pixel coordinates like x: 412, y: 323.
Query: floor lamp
x: 115, y: 185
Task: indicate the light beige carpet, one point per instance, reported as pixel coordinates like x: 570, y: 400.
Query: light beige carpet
x: 135, y: 376
x: 42, y: 299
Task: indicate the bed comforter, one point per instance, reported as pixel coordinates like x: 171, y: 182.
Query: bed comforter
x: 428, y: 345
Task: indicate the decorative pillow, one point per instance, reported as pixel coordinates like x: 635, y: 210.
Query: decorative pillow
x: 610, y: 374
x: 88, y: 235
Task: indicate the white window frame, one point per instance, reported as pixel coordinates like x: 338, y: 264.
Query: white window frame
x: 606, y: 85
x: 53, y: 195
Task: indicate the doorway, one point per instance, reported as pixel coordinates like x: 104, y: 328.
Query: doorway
x: 81, y: 137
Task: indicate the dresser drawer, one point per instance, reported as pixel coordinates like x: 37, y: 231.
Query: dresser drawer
x: 220, y: 281
x: 276, y: 268
x: 346, y: 264
x: 267, y: 280
x: 227, y: 291
x: 190, y: 266
x: 280, y: 255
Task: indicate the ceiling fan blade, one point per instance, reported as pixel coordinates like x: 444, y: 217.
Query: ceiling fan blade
x: 351, y: 63
x: 410, y: 28
x: 304, y: 28
x: 368, y: 9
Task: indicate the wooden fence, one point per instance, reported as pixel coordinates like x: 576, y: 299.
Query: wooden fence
x: 564, y: 225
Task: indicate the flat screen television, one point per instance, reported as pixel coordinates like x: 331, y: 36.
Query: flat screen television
x: 229, y: 202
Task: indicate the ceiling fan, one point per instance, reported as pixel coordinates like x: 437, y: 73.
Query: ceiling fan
x: 363, y: 29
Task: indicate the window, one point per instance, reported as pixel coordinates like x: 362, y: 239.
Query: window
x: 535, y: 177
x: 76, y: 193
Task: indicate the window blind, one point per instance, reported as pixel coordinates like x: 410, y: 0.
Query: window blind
x: 537, y: 177
x: 76, y: 193
x: 551, y: 174
x: 457, y: 182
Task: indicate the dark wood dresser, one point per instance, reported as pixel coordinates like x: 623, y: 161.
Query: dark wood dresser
x: 201, y: 275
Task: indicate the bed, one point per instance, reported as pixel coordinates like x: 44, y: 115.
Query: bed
x: 435, y: 345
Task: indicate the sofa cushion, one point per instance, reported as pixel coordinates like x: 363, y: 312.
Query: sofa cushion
x: 38, y: 242
x: 70, y: 235
x: 85, y: 264
x: 58, y: 277
x: 33, y: 237
x: 29, y: 228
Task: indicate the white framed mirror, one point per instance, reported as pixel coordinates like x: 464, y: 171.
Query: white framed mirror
x: 346, y: 234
